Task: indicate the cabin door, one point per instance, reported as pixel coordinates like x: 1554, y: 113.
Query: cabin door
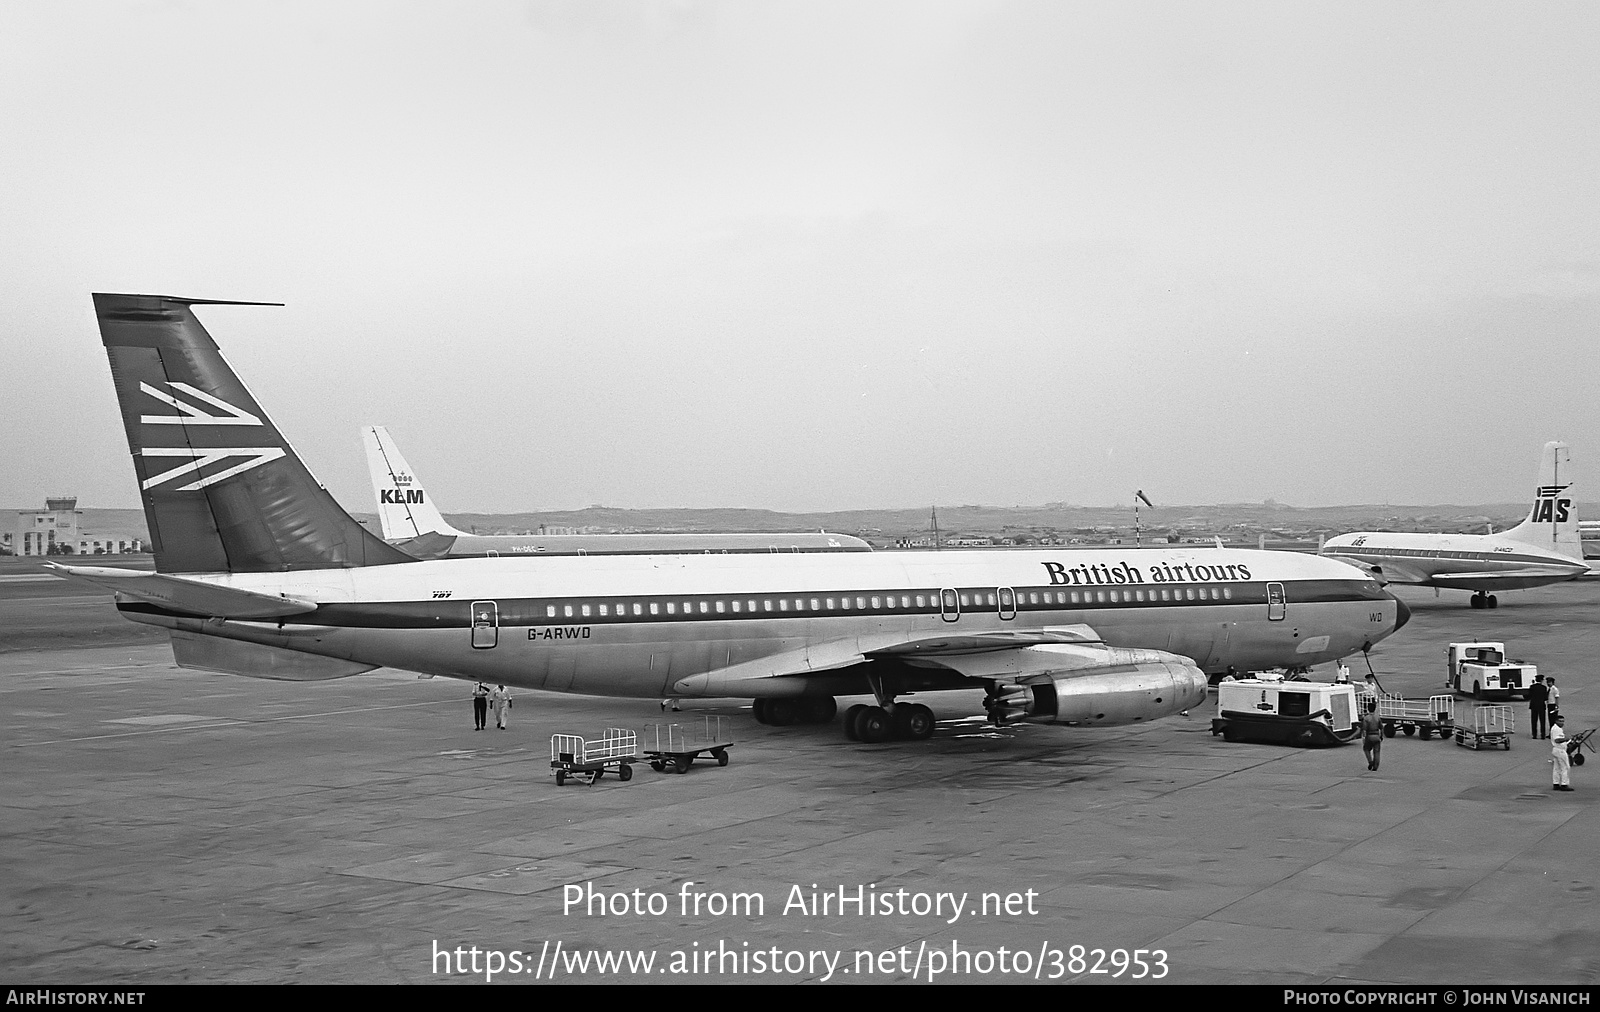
x: 1008, y: 604
x: 1277, y: 604
x: 485, y: 624
x: 949, y: 605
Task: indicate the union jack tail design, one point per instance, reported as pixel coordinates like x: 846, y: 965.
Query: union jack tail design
x: 223, y: 491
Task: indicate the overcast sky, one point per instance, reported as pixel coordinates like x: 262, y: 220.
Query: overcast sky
x: 822, y: 255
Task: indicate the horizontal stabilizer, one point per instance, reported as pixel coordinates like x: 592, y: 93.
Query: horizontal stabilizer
x: 233, y: 657
x: 431, y: 545
x: 193, y: 597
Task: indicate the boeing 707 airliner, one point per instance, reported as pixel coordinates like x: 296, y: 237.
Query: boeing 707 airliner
x: 260, y: 572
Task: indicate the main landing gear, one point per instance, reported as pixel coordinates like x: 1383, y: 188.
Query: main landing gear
x: 1483, y: 600
x: 873, y: 724
x: 803, y: 710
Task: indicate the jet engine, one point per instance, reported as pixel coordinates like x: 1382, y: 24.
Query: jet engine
x: 1151, y: 684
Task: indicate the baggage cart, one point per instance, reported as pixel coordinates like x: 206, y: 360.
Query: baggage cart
x: 677, y: 746
x: 1491, y: 727
x: 572, y: 756
x: 1435, y: 715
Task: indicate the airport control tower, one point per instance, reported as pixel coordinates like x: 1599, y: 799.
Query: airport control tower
x: 50, y: 530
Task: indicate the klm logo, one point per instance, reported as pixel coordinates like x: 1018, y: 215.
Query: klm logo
x: 1547, y: 508
x: 400, y: 496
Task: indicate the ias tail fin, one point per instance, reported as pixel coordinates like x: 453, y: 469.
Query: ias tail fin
x: 223, y: 491
x: 1553, y: 521
x: 404, y: 508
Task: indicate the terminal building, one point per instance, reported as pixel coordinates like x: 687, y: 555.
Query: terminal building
x: 55, y: 530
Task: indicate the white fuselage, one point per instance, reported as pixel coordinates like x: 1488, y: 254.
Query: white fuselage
x: 781, y: 625
x: 1479, y: 562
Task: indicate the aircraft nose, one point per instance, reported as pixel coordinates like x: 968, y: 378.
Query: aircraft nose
x: 1402, y: 614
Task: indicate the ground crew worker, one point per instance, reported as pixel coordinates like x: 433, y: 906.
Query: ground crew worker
x: 1553, y: 704
x: 500, y: 699
x: 1537, y: 694
x: 1561, y: 763
x: 1371, y: 734
x: 480, y: 706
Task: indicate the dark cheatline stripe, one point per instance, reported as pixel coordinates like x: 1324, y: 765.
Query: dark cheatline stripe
x: 513, y: 612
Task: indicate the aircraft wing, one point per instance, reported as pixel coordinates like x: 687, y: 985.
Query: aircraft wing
x: 1470, y: 581
x: 1015, y: 654
x: 197, y: 597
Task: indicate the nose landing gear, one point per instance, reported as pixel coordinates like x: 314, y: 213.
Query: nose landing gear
x: 1485, y: 600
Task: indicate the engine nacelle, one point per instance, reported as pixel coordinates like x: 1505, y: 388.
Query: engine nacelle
x: 1091, y: 697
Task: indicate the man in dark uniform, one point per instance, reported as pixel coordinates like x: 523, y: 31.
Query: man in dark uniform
x: 480, y: 706
x: 1538, y: 694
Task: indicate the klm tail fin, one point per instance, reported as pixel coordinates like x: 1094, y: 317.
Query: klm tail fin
x: 404, y: 508
x: 222, y: 489
x: 1553, y: 521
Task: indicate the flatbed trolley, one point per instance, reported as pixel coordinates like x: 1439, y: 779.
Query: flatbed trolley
x: 1491, y: 727
x: 677, y: 746
x: 1431, y: 716
x: 571, y: 756
x: 1576, y: 744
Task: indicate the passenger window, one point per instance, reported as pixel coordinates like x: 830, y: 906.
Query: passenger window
x: 550, y: 611
x: 703, y: 608
x: 602, y: 611
x: 766, y: 604
x: 1061, y: 597
x: 964, y: 602
x: 638, y: 609
x: 567, y: 610
x: 721, y: 607
x: 905, y: 601
x: 585, y: 611
x: 1113, y: 596
x: 816, y: 605
x: 1227, y: 592
x: 672, y: 608
x: 783, y: 604
x: 655, y: 609
x: 992, y: 601
x: 736, y: 607
x: 861, y: 604
x: 1074, y: 597
x: 889, y: 601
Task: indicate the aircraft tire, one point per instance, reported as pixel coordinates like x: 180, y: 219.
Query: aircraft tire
x: 1494, y: 602
x: 850, y: 716
x: 913, y: 722
x: 758, y: 709
x: 782, y: 712
x: 818, y: 709
x: 1477, y: 600
x: 874, y: 725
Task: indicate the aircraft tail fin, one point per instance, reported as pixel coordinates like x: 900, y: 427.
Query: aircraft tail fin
x: 1553, y: 521
x: 222, y: 489
x: 404, y: 507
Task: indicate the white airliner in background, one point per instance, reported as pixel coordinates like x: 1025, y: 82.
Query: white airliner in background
x: 1542, y: 549
x: 260, y: 572
x: 411, y: 521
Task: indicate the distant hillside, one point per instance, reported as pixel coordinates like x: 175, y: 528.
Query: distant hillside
x: 1233, y: 521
